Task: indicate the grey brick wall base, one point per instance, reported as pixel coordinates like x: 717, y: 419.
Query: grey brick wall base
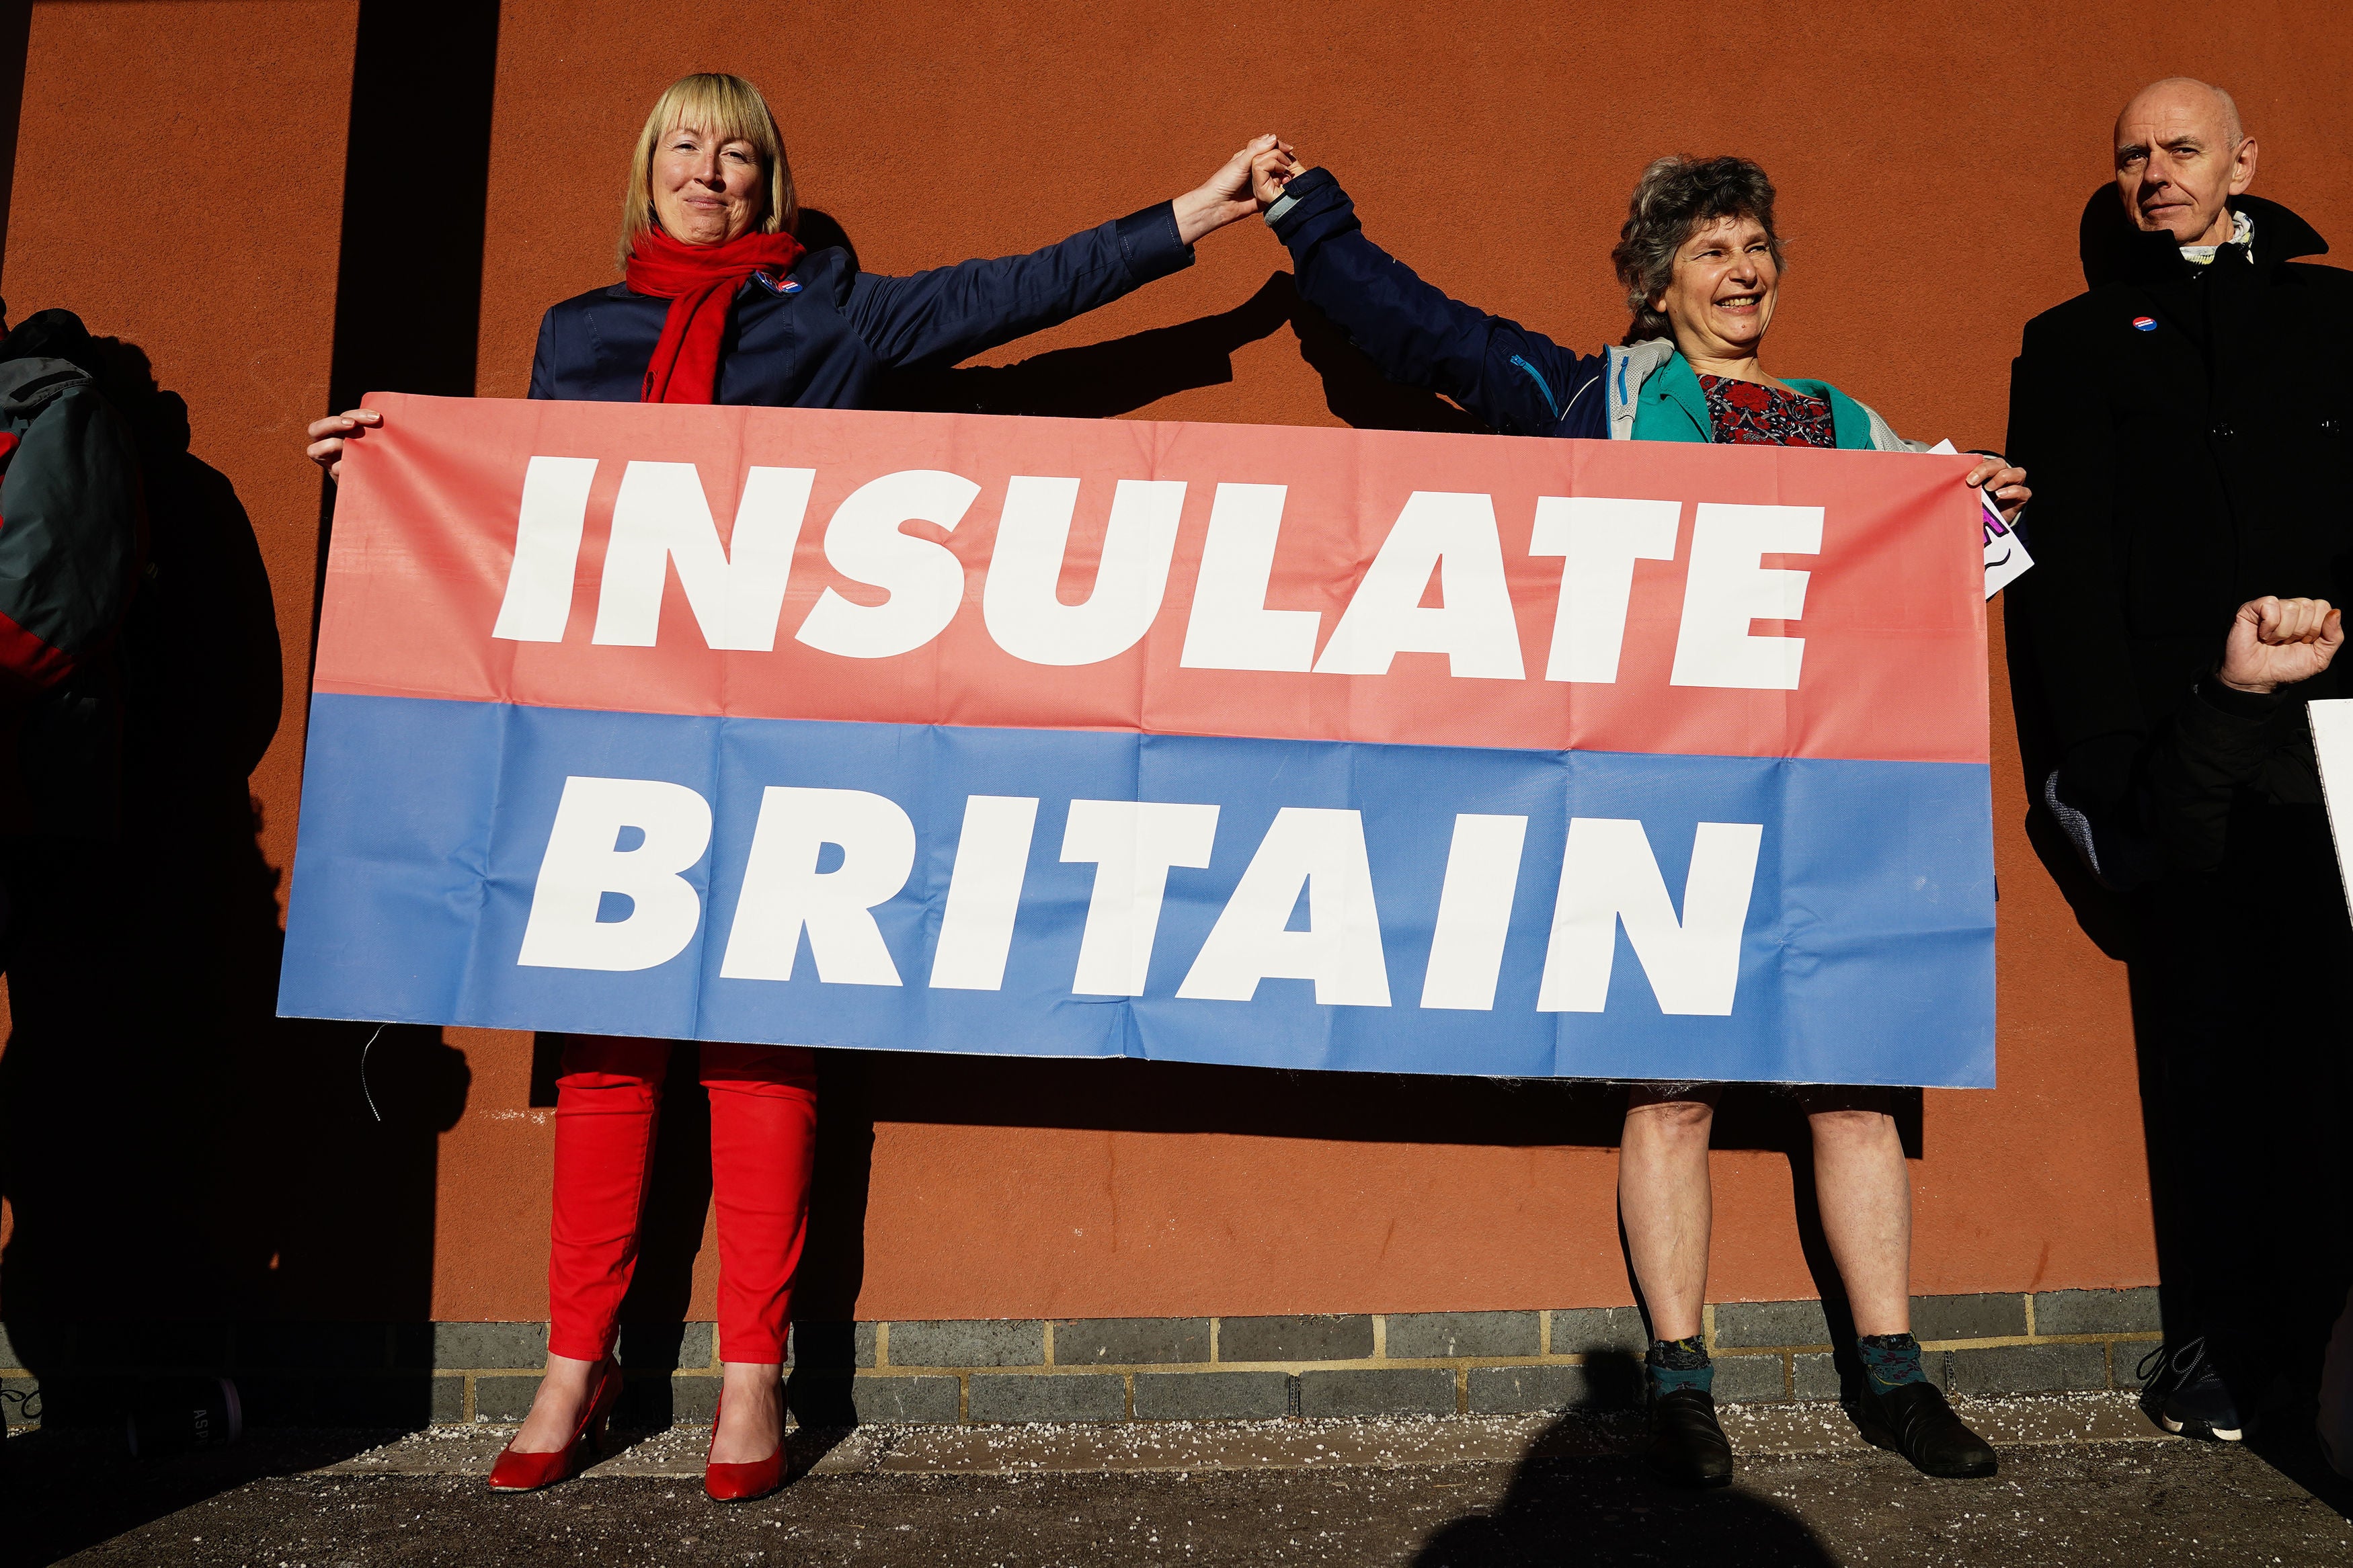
x: 1085, y: 1370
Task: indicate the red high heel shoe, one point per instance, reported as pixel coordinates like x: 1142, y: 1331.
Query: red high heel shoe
x: 516, y: 1472
x: 740, y: 1483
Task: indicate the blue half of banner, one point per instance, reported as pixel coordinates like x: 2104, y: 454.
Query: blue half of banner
x: 1304, y: 904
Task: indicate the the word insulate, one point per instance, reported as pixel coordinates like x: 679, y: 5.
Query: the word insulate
x: 662, y: 523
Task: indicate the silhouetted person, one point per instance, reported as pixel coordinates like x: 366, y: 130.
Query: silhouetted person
x: 179, y: 693
x: 70, y: 542
x: 152, y: 1105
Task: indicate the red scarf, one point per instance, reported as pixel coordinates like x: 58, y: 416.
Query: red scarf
x: 700, y: 281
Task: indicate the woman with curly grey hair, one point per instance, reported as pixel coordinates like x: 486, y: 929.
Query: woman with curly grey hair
x: 1701, y: 261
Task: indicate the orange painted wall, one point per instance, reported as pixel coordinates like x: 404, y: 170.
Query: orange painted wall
x: 179, y: 184
x: 1932, y: 162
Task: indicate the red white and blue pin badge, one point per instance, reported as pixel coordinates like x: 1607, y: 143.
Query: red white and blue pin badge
x: 2144, y: 324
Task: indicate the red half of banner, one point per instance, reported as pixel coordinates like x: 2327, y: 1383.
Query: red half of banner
x: 1202, y: 579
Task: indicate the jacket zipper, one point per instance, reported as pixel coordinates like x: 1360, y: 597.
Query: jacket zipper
x: 1550, y: 402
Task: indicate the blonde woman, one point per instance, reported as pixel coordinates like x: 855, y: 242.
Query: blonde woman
x: 719, y: 303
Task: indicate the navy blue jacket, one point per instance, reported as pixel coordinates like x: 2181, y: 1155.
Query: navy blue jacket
x: 820, y: 337
x: 1519, y: 382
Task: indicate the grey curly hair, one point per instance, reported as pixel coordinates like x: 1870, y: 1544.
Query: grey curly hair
x: 1673, y: 199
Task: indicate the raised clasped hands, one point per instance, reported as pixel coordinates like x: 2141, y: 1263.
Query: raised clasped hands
x: 2276, y: 642
x: 1225, y: 196
x: 1271, y: 168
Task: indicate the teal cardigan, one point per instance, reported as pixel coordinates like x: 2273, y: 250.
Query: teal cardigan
x: 1671, y: 406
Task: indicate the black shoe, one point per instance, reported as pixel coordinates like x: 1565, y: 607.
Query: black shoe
x: 2186, y: 1396
x: 1685, y: 1440
x: 1915, y: 1421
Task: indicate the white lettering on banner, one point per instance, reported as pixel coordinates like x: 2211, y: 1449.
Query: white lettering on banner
x: 983, y: 892
x: 737, y: 592
x: 1453, y: 537
x: 863, y: 542
x: 785, y: 893
x: 1608, y: 873
x: 583, y: 862
x: 1598, y: 539
x: 1132, y: 843
x: 1230, y: 627
x: 1725, y: 589
x: 1019, y: 604
x: 1322, y: 851
x: 662, y: 518
x: 554, y: 512
x: 1474, y: 912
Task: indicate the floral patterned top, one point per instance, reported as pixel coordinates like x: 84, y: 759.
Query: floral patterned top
x: 1747, y: 414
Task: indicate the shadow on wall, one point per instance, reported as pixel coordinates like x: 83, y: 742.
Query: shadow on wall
x: 1104, y: 381
x: 416, y: 176
x: 1120, y: 1095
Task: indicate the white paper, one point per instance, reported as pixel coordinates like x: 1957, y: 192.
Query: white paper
x: 2006, y: 559
x: 2332, y: 743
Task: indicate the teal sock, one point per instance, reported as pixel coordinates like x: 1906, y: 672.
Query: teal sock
x: 1680, y: 1363
x: 1892, y: 1360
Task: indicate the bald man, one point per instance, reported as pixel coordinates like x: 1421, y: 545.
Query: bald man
x: 2182, y: 153
x: 2189, y: 427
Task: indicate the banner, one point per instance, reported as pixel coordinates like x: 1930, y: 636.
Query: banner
x: 1300, y: 748
x: 2332, y: 747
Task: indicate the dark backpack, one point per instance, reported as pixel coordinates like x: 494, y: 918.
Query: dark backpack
x: 71, y: 541
x: 69, y: 523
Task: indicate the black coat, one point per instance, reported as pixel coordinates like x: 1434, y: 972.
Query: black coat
x: 2190, y: 439
x: 2220, y: 746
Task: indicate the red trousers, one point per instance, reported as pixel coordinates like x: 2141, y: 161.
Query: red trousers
x: 763, y: 1141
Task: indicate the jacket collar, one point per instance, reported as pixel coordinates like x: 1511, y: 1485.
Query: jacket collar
x: 1676, y: 385
x: 2280, y: 235
x: 2115, y: 251
x: 1626, y: 369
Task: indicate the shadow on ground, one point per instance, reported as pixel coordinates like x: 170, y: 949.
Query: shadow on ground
x: 1615, y: 1510
x: 70, y: 1489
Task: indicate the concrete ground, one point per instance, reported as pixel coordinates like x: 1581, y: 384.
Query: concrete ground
x: 2086, y: 1480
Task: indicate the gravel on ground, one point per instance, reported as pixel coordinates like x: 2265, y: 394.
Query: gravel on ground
x: 1575, y: 1500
